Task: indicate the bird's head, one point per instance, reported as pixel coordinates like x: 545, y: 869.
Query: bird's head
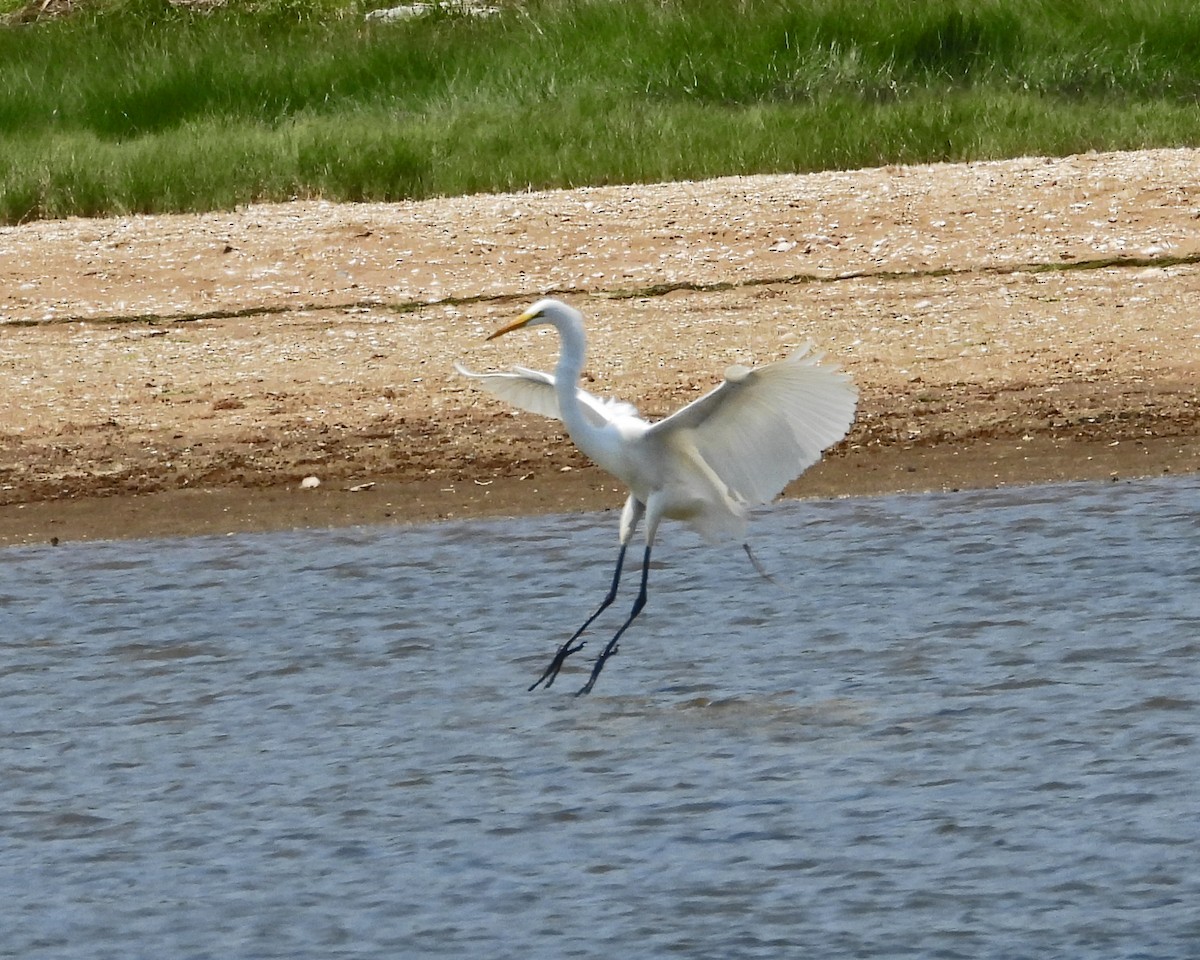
x: 550, y: 311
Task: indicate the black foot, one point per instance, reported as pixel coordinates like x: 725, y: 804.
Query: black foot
x: 551, y: 672
x: 600, y: 661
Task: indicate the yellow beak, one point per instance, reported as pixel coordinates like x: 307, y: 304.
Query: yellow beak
x: 515, y: 325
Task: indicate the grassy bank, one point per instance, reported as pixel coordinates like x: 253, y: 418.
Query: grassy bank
x: 133, y: 105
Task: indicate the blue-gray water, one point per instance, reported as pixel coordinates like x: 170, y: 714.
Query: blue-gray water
x: 957, y: 726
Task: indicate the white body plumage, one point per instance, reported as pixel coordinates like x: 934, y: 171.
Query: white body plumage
x: 737, y: 446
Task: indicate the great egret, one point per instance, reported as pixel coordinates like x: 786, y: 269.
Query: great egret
x: 737, y: 446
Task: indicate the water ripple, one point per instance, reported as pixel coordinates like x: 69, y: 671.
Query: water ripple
x: 956, y: 726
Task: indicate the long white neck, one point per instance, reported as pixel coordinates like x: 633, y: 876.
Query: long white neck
x: 571, y: 357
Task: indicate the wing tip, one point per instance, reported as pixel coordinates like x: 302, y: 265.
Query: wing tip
x: 809, y: 355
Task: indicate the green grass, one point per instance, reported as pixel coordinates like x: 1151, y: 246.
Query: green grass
x: 132, y: 105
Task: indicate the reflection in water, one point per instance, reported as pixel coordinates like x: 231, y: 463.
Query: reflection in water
x: 957, y: 726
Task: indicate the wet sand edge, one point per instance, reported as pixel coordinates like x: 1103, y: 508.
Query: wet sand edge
x: 226, y: 510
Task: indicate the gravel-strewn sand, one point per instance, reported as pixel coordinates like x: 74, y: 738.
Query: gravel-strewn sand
x: 1006, y: 322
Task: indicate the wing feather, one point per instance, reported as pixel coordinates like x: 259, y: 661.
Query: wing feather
x: 534, y: 391
x: 762, y: 428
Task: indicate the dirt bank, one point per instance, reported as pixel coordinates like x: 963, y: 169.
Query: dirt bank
x: 1006, y: 322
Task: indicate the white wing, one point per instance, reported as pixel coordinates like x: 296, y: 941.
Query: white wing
x: 762, y: 428
x: 533, y: 390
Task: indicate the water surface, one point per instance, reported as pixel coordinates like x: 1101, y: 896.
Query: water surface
x: 956, y: 726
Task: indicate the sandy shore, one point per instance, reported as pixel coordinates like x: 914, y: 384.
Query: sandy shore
x: 1006, y: 322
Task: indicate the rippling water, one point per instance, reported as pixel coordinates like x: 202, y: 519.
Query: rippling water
x: 957, y: 726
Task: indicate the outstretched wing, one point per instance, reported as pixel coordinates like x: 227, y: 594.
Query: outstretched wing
x: 529, y: 390
x: 533, y: 390
x: 762, y: 428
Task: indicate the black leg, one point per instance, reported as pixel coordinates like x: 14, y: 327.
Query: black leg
x: 567, y: 649
x: 612, y: 644
x: 762, y: 571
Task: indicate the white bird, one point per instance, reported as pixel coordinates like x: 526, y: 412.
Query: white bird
x: 706, y: 464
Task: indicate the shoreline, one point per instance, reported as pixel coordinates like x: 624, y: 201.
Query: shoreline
x: 227, y: 510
